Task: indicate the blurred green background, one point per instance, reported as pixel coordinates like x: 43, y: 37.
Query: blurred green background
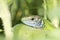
x: 49, y: 10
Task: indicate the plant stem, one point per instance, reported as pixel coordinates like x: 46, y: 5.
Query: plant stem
x: 6, y: 18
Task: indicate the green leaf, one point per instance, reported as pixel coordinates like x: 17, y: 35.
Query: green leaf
x: 24, y: 32
x: 2, y: 37
x: 48, y: 25
x: 1, y: 30
x: 29, y: 1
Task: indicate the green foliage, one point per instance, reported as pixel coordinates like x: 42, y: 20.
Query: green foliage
x: 1, y: 36
x: 24, y: 32
x: 49, y: 9
x: 48, y: 25
x: 29, y: 1
x: 27, y: 33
